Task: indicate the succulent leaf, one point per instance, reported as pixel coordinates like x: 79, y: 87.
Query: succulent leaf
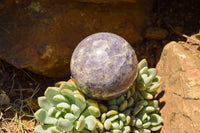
x: 80, y: 124
x: 91, y: 122
x: 44, y: 103
x: 71, y: 117
x: 43, y: 128
x: 64, y: 124
x: 42, y: 116
x: 155, y: 119
x: 50, y: 93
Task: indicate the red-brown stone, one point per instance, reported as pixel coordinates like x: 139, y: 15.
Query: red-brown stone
x: 179, y: 68
x: 41, y: 36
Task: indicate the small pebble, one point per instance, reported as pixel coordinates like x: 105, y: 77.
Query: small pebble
x: 4, y: 99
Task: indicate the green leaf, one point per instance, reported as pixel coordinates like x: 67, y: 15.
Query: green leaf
x: 156, y: 128
x: 142, y: 115
x: 56, y: 130
x: 142, y: 63
x: 132, y: 122
x: 152, y: 72
x: 115, y: 125
x: 144, y: 70
x: 91, y: 102
x: 44, y: 103
x: 137, y: 109
x: 80, y: 101
x: 149, y: 109
x: 146, y: 125
x: 52, y: 111
x: 50, y: 93
x: 128, y: 120
x: 43, y: 128
x: 80, y: 123
x: 127, y: 129
x: 42, y: 116
x: 69, y: 94
x: 130, y: 102
x: 141, y: 85
x: 58, y: 114
x: 144, y: 131
x: 138, y: 123
x: 70, y: 117
x: 103, y: 117
x: 116, y: 131
x: 94, y: 111
x: 153, y: 87
x: 68, y: 85
x: 63, y: 105
x: 155, y: 119
x: 103, y: 108
x: 64, y: 124
x: 147, y: 79
x: 121, y: 124
x: 146, y: 95
x: 122, y: 116
x: 132, y: 89
x: 123, y: 105
x: 111, y: 112
x: 100, y: 127
x: 91, y: 122
x: 107, y: 124
x: 60, y: 98
x: 156, y: 79
x: 113, y: 118
x: 120, y: 100
x: 75, y: 110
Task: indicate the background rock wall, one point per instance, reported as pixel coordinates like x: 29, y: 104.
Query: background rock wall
x: 40, y: 35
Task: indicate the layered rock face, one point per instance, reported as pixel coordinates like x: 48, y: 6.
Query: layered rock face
x: 179, y: 68
x: 41, y: 36
x: 106, y: 1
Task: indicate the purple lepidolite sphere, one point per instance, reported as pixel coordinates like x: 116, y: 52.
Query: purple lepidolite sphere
x: 104, y: 65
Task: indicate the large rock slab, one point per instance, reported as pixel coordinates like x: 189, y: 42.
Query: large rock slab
x: 41, y: 36
x: 106, y: 1
x: 179, y: 68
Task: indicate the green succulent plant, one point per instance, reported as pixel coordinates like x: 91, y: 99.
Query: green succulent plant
x: 138, y: 102
x: 64, y: 109
x: 115, y: 122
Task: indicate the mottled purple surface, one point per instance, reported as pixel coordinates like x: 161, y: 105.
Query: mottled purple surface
x: 104, y: 65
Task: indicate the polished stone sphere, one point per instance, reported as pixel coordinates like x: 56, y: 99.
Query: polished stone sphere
x: 104, y: 65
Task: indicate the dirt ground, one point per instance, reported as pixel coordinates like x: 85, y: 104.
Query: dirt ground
x: 24, y: 87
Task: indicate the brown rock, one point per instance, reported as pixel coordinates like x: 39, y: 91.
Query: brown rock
x: 107, y: 1
x: 155, y: 33
x: 40, y: 36
x: 179, y: 68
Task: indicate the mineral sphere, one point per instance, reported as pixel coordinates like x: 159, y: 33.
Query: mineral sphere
x: 103, y: 65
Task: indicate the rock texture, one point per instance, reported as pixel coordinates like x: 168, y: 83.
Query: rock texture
x: 155, y: 33
x: 179, y: 68
x: 107, y: 1
x: 41, y: 36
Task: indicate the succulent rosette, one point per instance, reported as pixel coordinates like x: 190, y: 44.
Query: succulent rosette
x: 64, y: 109
x: 139, y: 102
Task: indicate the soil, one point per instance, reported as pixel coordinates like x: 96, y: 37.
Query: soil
x: 23, y: 87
